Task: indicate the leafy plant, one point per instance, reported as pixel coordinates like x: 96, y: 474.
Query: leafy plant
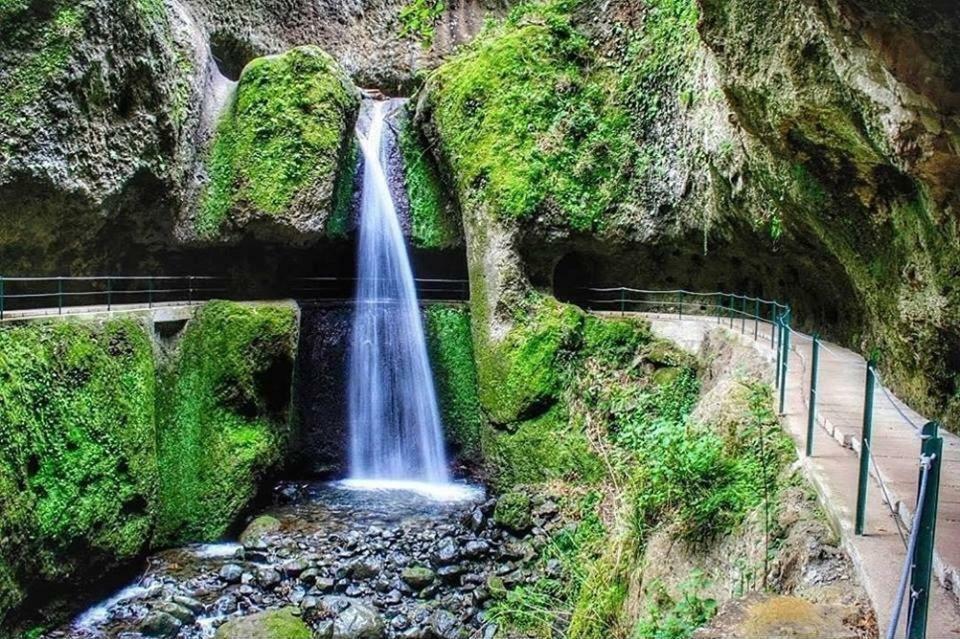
x: 668, y: 618
x: 418, y: 19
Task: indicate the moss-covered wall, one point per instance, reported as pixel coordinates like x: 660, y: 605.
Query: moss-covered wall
x: 108, y: 449
x: 224, y: 410
x: 793, y: 163
x: 78, y: 457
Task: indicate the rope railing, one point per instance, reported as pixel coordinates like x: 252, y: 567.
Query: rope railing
x: 732, y: 309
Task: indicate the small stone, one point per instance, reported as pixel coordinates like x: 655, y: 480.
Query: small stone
x: 444, y: 625
x: 418, y: 577
x: 476, y: 549
x: 447, y: 552
x: 294, y: 567
x: 183, y: 614
x: 324, y: 584
x: 366, y: 568
x: 231, y: 573
x: 268, y: 577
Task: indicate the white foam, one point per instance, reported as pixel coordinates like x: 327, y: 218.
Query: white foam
x: 446, y: 492
x: 215, y: 551
x: 100, y: 613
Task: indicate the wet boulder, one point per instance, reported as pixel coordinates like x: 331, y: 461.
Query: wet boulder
x: 271, y: 624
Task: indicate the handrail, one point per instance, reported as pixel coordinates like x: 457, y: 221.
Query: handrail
x: 918, y: 561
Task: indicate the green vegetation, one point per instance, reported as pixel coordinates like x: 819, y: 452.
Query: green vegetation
x: 669, y: 618
x: 451, y: 355
x: 46, y: 45
x: 286, y: 130
x: 434, y: 225
x: 225, y: 405
x: 418, y: 19
x: 513, y: 511
x: 534, y: 121
x: 523, y: 375
x: 528, y: 120
x: 103, y: 455
x: 78, y: 468
x: 338, y: 224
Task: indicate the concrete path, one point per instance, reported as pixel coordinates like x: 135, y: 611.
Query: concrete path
x: 833, y: 468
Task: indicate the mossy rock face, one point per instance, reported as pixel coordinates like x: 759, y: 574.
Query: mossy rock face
x: 454, y: 369
x: 225, y: 406
x: 281, y: 149
x: 513, y: 511
x: 78, y: 465
x: 257, y: 530
x: 270, y: 624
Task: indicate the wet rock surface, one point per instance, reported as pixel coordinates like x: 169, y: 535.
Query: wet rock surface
x: 347, y: 564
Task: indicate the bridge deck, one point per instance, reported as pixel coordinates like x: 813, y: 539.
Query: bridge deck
x: 880, y: 553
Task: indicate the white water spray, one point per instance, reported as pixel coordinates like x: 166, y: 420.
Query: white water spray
x: 395, y: 429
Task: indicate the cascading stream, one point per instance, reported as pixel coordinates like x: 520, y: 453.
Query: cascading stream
x: 395, y: 428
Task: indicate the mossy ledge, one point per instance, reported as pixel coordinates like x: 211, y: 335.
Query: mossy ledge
x: 108, y: 450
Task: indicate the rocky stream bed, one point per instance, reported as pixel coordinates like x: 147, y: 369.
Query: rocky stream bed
x: 335, y: 562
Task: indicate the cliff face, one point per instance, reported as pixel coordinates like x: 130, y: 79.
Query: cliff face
x: 675, y: 142
x: 110, y: 111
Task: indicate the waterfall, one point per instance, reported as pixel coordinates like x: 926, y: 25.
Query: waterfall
x: 395, y: 428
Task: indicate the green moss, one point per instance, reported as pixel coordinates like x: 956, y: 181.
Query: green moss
x: 271, y: 624
x: 78, y: 466
x: 45, y: 46
x: 454, y: 369
x: 513, y: 511
x: 338, y: 224
x: 523, y: 374
x: 527, y: 120
x: 434, y: 227
x: 285, y: 130
x: 418, y: 19
x: 550, y: 446
x: 225, y: 418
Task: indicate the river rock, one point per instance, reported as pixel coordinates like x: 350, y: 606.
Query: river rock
x: 366, y: 568
x: 254, y: 536
x: 271, y: 624
x: 447, y: 552
x: 231, y: 573
x: 418, y: 577
x: 160, y: 624
x: 353, y: 620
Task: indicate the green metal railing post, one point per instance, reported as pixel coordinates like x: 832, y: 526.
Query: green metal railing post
x: 812, y: 409
x: 778, y: 330
x: 756, y: 319
x: 773, y: 323
x: 680, y: 307
x: 931, y: 452
x: 785, y: 360
x: 190, y: 288
x: 109, y: 292
x: 733, y: 305
x: 865, y: 442
x: 59, y: 296
x: 150, y: 292
x: 623, y: 295
x: 719, y: 304
x: 743, y: 315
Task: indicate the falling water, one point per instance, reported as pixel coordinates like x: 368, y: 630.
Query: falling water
x: 395, y: 429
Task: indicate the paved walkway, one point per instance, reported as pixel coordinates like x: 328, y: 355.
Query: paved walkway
x: 833, y: 469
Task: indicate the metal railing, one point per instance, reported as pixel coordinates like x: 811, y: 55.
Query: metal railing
x: 761, y: 316
x: 31, y: 296
x: 320, y: 289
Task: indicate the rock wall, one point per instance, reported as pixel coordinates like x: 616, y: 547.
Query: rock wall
x: 110, y: 109
x: 109, y: 446
x: 663, y: 146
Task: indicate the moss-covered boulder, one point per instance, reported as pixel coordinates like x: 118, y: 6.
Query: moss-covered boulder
x: 78, y: 464
x: 225, y: 408
x: 280, y: 149
x: 270, y: 624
